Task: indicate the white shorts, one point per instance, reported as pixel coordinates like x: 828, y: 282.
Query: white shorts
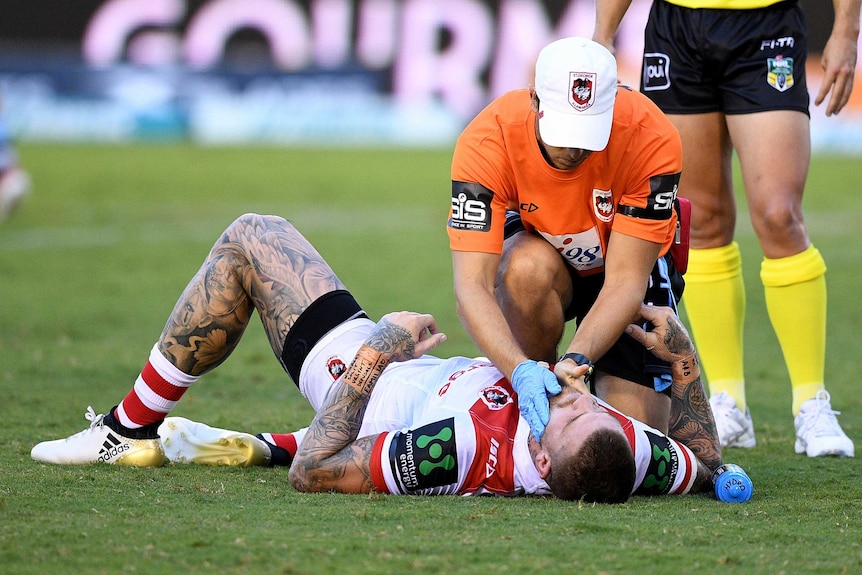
x: 329, y: 357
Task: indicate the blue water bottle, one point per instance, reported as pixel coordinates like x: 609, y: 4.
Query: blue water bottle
x: 732, y: 484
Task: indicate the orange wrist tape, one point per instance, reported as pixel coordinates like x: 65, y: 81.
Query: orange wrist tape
x: 365, y: 368
x: 685, y: 370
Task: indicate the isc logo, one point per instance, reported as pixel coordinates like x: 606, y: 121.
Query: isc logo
x: 468, y: 211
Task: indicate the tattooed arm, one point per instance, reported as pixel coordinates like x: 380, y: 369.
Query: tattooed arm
x: 691, y: 419
x: 330, y: 457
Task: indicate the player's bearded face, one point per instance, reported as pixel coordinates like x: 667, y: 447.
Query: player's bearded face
x: 574, y: 415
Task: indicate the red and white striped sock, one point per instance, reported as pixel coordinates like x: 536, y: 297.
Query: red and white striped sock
x: 286, y: 441
x: 156, y: 391
x: 282, y: 446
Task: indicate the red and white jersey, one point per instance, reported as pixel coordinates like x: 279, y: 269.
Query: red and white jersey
x: 467, y: 436
x: 452, y: 426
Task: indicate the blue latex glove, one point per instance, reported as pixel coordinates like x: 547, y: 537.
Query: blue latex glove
x: 534, y: 384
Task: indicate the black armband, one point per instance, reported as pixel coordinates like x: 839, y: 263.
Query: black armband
x: 580, y: 359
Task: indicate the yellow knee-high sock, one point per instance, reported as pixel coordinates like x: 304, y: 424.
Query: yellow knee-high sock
x: 714, y: 301
x: 795, y: 289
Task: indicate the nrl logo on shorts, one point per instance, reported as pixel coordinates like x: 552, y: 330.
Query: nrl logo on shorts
x: 780, y: 73
x: 582, y: 95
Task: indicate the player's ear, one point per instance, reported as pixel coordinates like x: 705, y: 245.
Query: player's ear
x: 543, y: 463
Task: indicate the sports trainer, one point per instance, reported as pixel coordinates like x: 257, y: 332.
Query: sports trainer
x: 388, y: 417
x: 587, y: 170
x: 730, y: 74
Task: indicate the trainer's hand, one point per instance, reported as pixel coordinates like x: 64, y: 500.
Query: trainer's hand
x: 405, y: 335
x: 668, y: 339
x: 535, y: 383
x: 569, y: 372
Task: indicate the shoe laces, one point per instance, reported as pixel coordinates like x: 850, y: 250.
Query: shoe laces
x: 819, y: 418
x: 95, y: 420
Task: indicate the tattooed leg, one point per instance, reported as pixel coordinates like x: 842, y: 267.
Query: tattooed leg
x: 259, y: 263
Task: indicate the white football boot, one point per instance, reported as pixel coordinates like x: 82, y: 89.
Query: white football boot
x: 100, y: 444
x: 187, y: 441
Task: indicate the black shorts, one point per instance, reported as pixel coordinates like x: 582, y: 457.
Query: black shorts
x: 627, y: 358
x: 322, y: 315
x: 732, y: 61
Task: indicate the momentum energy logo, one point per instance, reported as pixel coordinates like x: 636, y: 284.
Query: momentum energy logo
x: 662, y: 469
x: 426, y: 457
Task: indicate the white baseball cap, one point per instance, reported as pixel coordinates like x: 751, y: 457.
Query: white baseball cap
x: 576, y: 81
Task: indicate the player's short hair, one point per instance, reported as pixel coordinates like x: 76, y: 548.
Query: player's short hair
x: 601, y: 471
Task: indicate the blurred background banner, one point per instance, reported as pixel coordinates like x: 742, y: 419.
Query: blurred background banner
x: 301, y: 72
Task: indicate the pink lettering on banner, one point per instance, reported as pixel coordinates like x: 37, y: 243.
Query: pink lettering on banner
x: 463, y: 52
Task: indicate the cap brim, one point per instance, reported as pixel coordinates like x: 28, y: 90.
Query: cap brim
x: 566, y: 130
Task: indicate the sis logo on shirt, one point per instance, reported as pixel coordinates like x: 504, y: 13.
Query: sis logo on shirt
x: 471, y: 207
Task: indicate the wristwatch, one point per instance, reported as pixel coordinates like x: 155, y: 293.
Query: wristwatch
x: 580, y: 359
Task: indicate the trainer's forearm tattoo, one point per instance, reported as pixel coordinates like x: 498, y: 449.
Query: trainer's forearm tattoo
x: 259, y: 263
x: 676, y: 340
x: 692, y: 422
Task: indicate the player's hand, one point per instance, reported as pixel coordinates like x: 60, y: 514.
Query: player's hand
x: 405, y: 335
x: 668, y: 339
x: 535, y: 383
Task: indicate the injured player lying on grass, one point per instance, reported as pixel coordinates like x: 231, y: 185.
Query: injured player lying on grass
x: 389, y: 416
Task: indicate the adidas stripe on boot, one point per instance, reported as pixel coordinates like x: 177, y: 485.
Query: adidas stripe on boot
x: 100, y: 444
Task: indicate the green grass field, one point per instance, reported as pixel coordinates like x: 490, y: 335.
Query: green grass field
x: 91, y: 266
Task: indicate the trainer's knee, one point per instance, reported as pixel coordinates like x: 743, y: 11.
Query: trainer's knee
x: 530, y: 262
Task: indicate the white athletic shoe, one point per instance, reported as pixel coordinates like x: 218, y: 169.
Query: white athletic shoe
x: 735, y: 428
x: 14, y: 187
x: 817, y: 430
x: 100, y: 444
x: 187, y: 441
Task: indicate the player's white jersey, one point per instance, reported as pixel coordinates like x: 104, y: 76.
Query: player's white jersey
x: 452, y: 426
x: 446, y: 426
x: 467, y: 436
